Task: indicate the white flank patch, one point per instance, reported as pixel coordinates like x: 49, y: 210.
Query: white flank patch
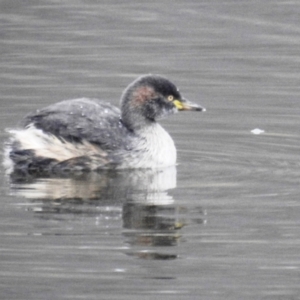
x: 49, y: 146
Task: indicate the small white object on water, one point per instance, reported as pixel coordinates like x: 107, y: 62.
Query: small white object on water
x: 257, y: 131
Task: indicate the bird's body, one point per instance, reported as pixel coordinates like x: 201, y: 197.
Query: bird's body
x: 89, y: 134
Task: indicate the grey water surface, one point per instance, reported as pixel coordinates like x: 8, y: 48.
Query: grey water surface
x: 222, y: 224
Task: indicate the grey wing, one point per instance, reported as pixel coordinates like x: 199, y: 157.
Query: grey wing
x: 82, y: 119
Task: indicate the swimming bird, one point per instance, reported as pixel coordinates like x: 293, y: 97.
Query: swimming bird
x: 89, y: 134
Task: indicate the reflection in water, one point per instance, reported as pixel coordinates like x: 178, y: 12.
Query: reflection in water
x: 151, y: 220
x: 151, y: 226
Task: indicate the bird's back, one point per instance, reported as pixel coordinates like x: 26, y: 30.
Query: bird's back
x: 86, y: 119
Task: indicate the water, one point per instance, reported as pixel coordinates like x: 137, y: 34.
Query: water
x: 224, y: 224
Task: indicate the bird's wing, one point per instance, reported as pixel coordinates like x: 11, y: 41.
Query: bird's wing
x: 82, y: 119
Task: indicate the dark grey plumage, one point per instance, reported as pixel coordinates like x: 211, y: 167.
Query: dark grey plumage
x: 83, y: 119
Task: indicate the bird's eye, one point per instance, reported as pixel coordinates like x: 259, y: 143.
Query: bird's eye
x: 171, y: 98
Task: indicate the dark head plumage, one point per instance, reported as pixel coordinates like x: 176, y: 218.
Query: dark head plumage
x: 149, y: 98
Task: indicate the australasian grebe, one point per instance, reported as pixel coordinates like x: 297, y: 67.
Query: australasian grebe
x: 89, y: 134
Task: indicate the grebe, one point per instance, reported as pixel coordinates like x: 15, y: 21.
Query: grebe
x: 89, y: 134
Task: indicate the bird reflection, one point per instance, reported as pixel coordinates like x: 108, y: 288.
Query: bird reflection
x: 139, y: 199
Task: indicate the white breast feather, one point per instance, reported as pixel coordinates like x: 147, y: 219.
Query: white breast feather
x: 157, y: 148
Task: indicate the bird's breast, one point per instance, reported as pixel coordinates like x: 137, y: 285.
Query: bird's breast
x: 153, y: 148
